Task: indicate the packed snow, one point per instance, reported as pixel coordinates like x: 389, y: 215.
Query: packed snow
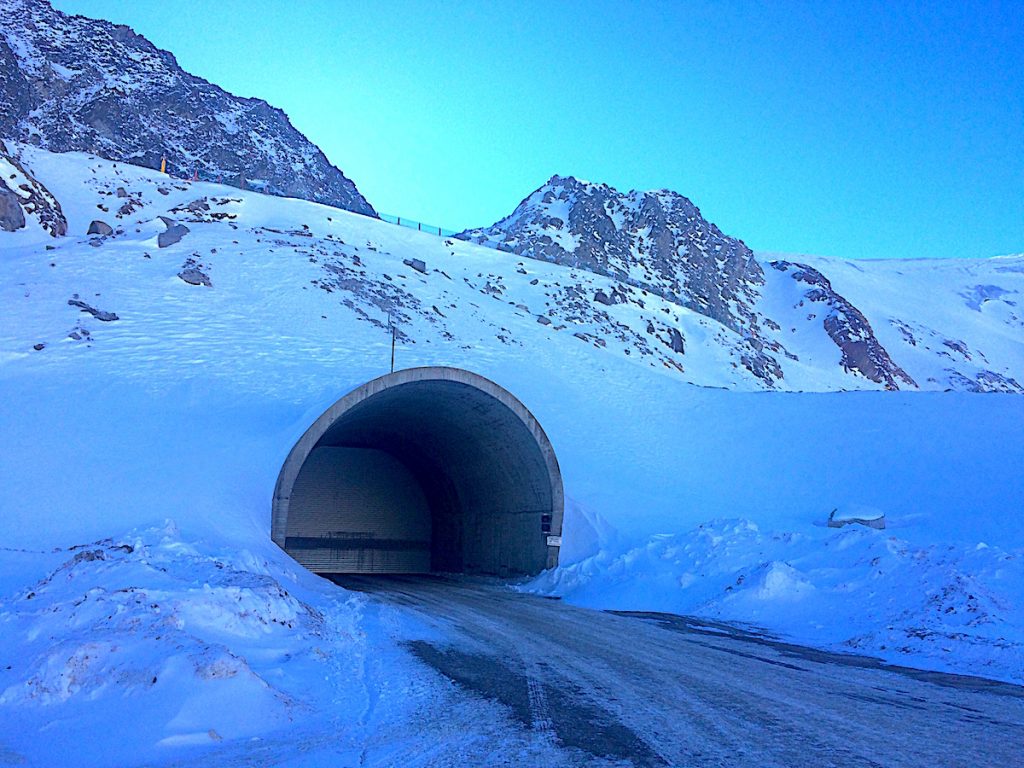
x: 138, y: 582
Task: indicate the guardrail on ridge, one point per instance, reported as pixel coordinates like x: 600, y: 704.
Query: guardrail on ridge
x: 402, y: 221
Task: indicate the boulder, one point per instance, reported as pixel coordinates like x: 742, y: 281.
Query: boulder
x: 173, y: 235
x: 100, y: 228
x: 11, y: 215
x: 418, y: 264
x: 194, y: 276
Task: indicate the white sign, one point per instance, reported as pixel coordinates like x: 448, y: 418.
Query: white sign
x: 554, y: 541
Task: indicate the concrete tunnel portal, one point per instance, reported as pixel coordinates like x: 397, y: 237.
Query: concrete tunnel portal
x: 422, y: 470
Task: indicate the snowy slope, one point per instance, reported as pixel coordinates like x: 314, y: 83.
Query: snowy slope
x: 784, y: 322
x: 950, y: 323
x: 184, y: 407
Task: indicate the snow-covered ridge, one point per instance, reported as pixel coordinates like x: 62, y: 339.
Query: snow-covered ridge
x: 69, y: 83
x: 923, y: 335
x: 928, y: 325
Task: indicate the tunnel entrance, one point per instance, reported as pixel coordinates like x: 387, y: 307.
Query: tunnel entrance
x: 426, y: 469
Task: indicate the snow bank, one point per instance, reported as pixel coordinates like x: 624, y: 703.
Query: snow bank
x: 949, y: 607
x: 178, y: 642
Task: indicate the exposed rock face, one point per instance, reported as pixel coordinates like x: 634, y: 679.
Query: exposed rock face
x: 98, y: 227
x: 657, y: 241
x: 68, y: 83
x: 845, y: 324
x: 11, y: 216
x: 172, y: 234
x: 985, y: 381
x: 195, y: 276
x: 21, y: 195
x: 99, y: 314
x: 654, y: 240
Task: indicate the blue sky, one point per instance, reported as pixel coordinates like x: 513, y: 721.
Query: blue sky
x: 855, y: 129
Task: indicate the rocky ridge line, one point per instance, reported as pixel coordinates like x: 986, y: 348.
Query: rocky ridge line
x: 69, y: 83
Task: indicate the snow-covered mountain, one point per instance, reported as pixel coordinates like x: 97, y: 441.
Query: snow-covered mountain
x: 69, y: 83
x: 651, y: 278
x: 782, y: 320
x: 924, y: 324
x: 653, y: 240
x: 155, y: 375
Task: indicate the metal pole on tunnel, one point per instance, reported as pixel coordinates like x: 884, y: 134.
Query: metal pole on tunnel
x: 391, y: 327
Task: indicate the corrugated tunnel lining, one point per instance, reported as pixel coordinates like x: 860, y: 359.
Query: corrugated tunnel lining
x: 489, y: 479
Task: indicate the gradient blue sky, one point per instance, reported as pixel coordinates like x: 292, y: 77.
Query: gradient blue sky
x: 856, y: 129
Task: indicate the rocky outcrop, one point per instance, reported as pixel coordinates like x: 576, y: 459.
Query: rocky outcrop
x: 984, y: 381
x: 100, y: 228
x: 862, y: 352
x: 68, y: 83
x: 99, y: 314
x: 172, y: 235
x: 12, y: 218
x: 22, y: 196
x: 657, y: 241
x: 654, y: 240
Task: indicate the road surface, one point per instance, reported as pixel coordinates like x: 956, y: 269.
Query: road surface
x: 591, y: 688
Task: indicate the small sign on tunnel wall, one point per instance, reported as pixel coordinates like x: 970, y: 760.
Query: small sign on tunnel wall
x: 554, y: 541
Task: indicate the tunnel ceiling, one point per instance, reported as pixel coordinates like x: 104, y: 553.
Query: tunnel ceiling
x: 427, y: 469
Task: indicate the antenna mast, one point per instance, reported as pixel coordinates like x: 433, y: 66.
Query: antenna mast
x: 391, y: 327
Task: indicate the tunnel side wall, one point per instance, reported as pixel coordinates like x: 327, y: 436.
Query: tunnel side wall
x: 351, y: 495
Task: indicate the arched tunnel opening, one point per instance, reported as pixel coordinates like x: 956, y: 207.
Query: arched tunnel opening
x: 422, y: 470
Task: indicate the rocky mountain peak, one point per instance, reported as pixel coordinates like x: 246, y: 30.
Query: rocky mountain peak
x: 69, y: 83
x: 657, y: 241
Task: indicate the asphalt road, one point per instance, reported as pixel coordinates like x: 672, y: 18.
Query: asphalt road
x: 584, y: 687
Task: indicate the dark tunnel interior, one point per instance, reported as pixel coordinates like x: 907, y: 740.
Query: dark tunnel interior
x: 428, y: 475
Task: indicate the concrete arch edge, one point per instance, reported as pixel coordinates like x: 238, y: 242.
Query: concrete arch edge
x: 305, y: 445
